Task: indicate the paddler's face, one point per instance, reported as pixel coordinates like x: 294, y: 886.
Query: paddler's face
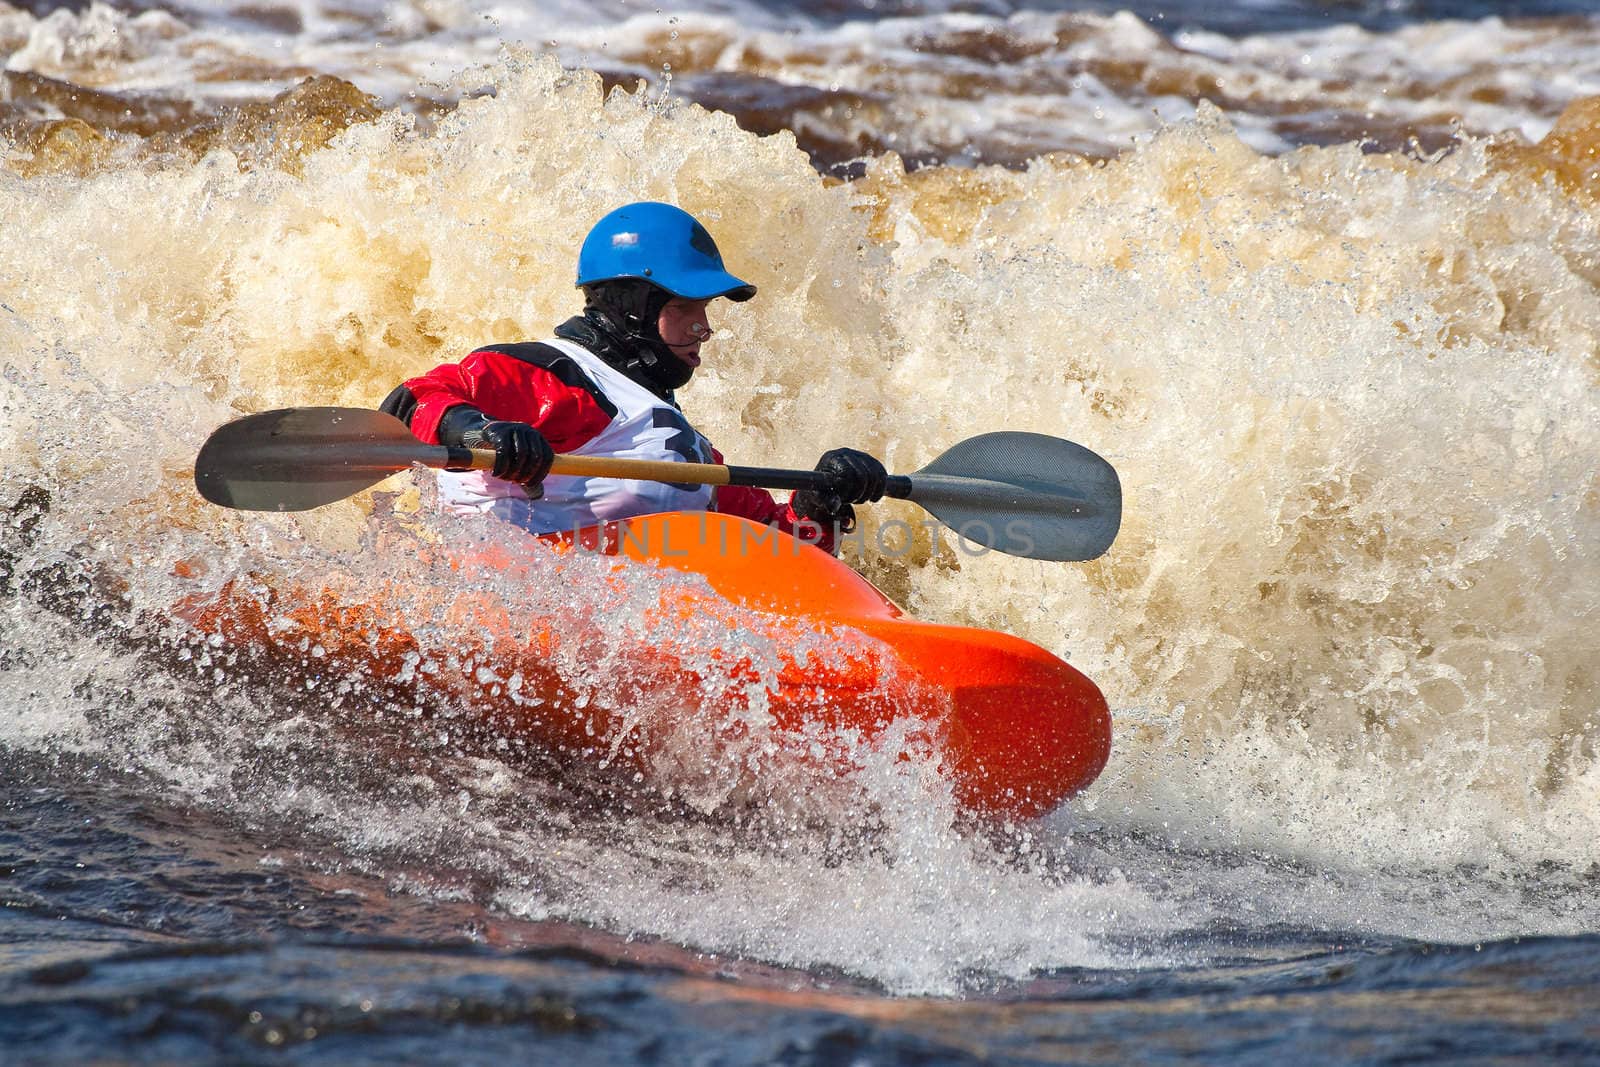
x: 684, y: 327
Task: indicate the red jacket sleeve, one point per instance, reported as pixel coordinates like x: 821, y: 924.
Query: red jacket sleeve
x: 504, y: 387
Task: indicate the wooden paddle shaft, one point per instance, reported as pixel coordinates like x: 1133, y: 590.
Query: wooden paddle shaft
x: 654, y: 470
x: 672, y: 471
x: 649, y: 470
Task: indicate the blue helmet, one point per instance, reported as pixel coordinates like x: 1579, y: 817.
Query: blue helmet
x: 662, y: 245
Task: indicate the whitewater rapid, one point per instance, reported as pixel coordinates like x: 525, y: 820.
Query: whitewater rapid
x: 1351, y: 397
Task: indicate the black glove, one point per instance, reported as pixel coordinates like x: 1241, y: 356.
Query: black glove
x: 521, y: 454
x: 852, y: 478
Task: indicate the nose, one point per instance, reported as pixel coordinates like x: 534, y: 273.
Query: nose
x: 684, y: 323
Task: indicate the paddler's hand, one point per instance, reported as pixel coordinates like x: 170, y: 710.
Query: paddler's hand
x: 852, y: 478
x: 521, y: 454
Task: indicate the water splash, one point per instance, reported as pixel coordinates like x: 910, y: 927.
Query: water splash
x: 1351, y: 397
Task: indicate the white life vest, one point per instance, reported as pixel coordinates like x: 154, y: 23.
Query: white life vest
x: 644, y: 427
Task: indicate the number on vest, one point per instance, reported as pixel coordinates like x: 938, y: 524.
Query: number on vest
x: 686, y: 442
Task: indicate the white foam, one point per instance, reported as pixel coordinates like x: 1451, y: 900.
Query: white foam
x: 1344, y: 631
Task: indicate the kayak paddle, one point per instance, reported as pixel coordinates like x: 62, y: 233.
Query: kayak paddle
x: 1024, y: 494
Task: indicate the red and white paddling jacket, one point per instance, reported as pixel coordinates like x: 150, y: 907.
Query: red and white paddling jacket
x: 582, y: 405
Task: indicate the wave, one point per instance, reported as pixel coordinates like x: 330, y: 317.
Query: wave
x: 930, y: 84
x: 1351, y: 396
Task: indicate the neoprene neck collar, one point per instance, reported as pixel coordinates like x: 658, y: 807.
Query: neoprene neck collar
x: 648, y: 362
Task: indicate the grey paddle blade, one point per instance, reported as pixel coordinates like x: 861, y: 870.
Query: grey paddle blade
x: 295, y: 459
x: 1024, y: 494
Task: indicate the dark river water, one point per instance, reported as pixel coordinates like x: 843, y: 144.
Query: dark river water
x: 1319, y: 279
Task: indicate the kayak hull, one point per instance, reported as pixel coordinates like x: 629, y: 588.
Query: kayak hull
x: 1013, y: 729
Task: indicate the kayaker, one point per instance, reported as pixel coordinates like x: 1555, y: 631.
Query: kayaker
x: 604, y: 385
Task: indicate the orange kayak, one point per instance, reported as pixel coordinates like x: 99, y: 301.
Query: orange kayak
x: 761, y: 635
